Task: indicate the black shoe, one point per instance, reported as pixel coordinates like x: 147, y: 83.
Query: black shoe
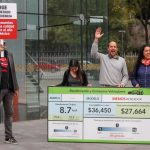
x: 11, y: 140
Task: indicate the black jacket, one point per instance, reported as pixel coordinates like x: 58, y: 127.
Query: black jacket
x: 13, y: 80
x: 66, y: 76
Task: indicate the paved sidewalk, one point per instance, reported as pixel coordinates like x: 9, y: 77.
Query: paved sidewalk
x: 32, y: 135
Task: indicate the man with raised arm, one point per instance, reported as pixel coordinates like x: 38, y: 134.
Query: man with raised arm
x: 113, y: 69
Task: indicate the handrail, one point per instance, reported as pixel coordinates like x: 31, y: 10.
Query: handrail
x: 34, y: 62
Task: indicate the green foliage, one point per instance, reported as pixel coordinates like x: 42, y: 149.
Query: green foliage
x: 130, y: 61
x: 140, y: 10
x: 122, y: 15
x: 59, y: 15
x: 103, y: 45
x: 118, y: 14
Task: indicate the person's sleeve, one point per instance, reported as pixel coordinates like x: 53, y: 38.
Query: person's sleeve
x: 94, y: 51
x: 0, y: 72
x: 85, y: 80
x: 16, y: 86
x: 125, y: 76
x: 133, y: 79
x: 64, y: 81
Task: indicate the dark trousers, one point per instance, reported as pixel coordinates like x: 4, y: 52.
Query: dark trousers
x: 6, y: 97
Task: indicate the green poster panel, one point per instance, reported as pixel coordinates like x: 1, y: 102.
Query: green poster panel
x: 108, y: 115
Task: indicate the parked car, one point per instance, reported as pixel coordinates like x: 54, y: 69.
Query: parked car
x: 88, y: 65
x: 46, y: 66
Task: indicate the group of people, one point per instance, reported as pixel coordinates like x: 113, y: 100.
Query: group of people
x: 113, y: 73
x: 113, y: 68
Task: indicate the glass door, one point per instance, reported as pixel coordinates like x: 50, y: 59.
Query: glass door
x: 50, y: 33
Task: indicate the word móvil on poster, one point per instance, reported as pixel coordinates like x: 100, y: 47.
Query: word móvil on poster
x: 8, y: 21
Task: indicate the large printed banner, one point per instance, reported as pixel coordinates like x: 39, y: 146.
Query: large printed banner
x: 8, y: 21
x: 112, y: 115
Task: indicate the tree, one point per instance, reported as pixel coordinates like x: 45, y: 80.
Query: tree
x: 119, y: 20
x: 140, y: 10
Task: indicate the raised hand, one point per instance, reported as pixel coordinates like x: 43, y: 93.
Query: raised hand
x: 98, y: 33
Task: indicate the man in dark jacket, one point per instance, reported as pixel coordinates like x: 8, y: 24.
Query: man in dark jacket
x: 8, y: 88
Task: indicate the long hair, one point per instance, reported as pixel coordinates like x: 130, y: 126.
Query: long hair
x: 139, y: 58
x: 75, y: 63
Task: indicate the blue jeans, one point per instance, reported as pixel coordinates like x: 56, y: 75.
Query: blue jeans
x: 6, y: 97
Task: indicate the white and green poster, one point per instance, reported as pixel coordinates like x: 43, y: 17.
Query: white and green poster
x: 86, y: 114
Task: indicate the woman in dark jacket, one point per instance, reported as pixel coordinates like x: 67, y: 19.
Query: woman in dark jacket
x: 74, y: 76
x: 141, y: 75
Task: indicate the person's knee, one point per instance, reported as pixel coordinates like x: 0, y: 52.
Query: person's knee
x: 9, y: 113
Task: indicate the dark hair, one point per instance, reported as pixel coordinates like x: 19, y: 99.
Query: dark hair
x: 110, y: 42
x: 75, y: 63
x: 140, y: 57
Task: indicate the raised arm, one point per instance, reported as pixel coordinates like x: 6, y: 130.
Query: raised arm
x: 98, y: 34
x: 94, y: 49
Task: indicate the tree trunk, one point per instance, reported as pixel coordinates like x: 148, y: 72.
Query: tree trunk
x: 146, y: 33
x: 145, y: 24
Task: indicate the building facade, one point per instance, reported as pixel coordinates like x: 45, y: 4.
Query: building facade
x: 50, y: 33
